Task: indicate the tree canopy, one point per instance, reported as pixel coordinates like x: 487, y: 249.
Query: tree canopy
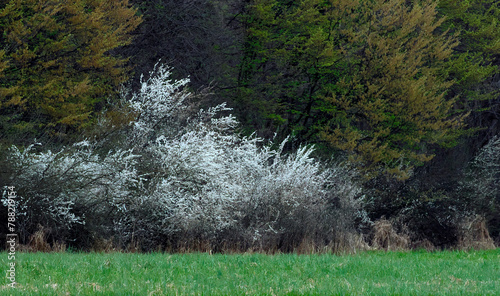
x: 362, y: 76
x: 56, y: 65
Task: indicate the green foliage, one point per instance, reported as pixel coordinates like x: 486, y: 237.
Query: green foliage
x: 55, y: 63
x: 288, y: 58
x: 477, y: 58
x: 364, y: 76
x: 478, y: 23
x: 394, y: 101
x: 474, y: 66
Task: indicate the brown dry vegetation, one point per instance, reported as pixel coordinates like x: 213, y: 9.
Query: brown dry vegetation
x: 473, y: 235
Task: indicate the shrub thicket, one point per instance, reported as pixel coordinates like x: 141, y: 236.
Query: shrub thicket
x: 181, y: 178
x: 462, y: 212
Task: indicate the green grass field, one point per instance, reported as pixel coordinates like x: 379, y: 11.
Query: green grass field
x: 368, y: 273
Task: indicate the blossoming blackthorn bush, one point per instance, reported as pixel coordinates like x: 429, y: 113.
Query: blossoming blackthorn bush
x: 179, y: 178
x: 61, y: 189
x: 484, y: 184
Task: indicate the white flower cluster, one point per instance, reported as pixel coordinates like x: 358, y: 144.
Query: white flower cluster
x: 207, y: 177
x: 484, y: 171
x: 52, y: 185
x: 198, y: 177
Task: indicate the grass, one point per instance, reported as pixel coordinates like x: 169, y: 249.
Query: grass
x: 368, y: 273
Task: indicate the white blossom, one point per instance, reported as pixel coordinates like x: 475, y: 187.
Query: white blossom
x: 179, y: 171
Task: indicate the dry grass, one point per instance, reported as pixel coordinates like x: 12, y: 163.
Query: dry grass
x: 386, y: 238
x: 424, y: 244
x: 103, y: 245
x: 475, y: 235
x: 38, y: 242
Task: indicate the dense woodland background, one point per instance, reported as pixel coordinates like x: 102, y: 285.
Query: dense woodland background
x: 252, y: 124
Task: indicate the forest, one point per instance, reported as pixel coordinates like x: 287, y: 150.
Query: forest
x: 264, y: 125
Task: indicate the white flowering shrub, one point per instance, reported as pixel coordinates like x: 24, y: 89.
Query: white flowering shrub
x: 62, y: 189
x: 205, y: 182
x: 485, y: 169
x: 181, y: 176
x: 161, y: 113
x: 483, y: 183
